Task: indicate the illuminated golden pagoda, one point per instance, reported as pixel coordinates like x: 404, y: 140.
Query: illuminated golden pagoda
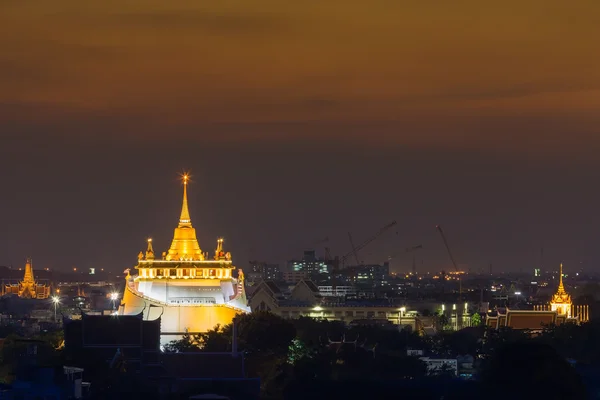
x: 561, y: 300
x: 187, y: 290
x: 185, y: 245
x: 28, y: 288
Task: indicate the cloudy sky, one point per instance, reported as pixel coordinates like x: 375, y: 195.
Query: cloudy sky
x: 301, y: 120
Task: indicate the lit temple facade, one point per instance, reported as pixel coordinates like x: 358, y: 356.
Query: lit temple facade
x: 560, y: 310
x: 28, y: 288
x: 561, y: 301
x: 187, y: 289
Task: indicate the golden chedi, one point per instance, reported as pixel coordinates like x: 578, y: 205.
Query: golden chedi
x: 190, y: 291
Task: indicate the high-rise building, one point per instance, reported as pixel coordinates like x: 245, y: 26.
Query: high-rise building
x: 312, y: 266
x: 265, y: 271
x: 187, y: 289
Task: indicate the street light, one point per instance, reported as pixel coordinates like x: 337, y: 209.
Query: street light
x: 114, y: 296
x: 56, y: 301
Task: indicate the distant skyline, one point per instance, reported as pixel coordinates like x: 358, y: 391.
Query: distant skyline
x: 301, y: 121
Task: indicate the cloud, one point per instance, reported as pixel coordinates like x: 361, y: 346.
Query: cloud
x: 230, y: 23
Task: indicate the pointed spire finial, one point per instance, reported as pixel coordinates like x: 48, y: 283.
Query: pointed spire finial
x: 150, y: 250
x: 560, y: 281
x: 184, y: 219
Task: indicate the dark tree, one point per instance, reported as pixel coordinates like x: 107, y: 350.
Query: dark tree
x: 530, y: 370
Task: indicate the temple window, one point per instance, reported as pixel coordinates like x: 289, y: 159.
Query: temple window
x: 185, y: 272
x: 173, y: 273
x: 159, y: 273
x: 212, y: 273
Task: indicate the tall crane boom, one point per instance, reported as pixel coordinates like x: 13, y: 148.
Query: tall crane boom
x: 354, y: 250
x: 369, y: 240
x: 439, y: 228
x: 342, y: 260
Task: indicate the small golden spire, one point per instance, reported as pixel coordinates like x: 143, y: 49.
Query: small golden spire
x: 561, y: 287
x: 219, y: 251
x: 150, y: 250
x: 184, y: 219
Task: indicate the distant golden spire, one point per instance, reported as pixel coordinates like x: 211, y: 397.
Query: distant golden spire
x: 561, y: 287
x: 28, y: 277
x: 561, y: 301
x: 184, y: 219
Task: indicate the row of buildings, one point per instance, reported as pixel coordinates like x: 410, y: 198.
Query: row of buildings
x: 318, y: 270
x: 192, y: 292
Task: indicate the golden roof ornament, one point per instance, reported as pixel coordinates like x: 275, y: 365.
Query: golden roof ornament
x: 561, y: 295
x: 150, y: 250
x: 184, y: 218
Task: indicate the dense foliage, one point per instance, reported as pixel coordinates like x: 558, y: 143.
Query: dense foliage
x: 302, y: 358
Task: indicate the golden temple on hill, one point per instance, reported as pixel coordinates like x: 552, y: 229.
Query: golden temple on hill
x: 560, y: 310
x: 28, y: 288
x: 187, y: 289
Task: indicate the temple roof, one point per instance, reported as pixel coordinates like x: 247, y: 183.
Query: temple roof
x: 561, y: 295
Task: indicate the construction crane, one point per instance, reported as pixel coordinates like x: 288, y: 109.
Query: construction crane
x: 439, y: 228
x: 342, y: 260
x: 412, y: 249
x: 353, y: 246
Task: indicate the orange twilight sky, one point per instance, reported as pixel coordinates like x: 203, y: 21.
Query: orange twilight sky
x: 300, y: 120
x: 190, y: 62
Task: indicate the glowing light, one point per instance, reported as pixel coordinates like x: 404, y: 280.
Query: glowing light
x: 403, y: 309
x: 55, y: 299
x: 518, y: 293
x: 317, y: 308
x: 114, y: 296
x: 185, y: 177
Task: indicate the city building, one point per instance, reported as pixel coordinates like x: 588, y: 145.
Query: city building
x: 294, y: 276
x: 372, y: 275
x: 306, y: 300
x: 262, y: 271
x: 28, y: 288
x: 337, y: 291
x: 312, y: 266
x: 185, y: 288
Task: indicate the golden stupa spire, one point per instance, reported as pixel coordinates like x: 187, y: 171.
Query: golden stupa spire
x: 28, y: 277
x: 561, y: 287
x: 185, y: 245
x: 184, y: 219
x: 561, y: 301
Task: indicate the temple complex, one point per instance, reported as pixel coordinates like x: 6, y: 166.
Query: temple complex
x: 190, y: 291
x: 559, y: 310
x: 28, y: 288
